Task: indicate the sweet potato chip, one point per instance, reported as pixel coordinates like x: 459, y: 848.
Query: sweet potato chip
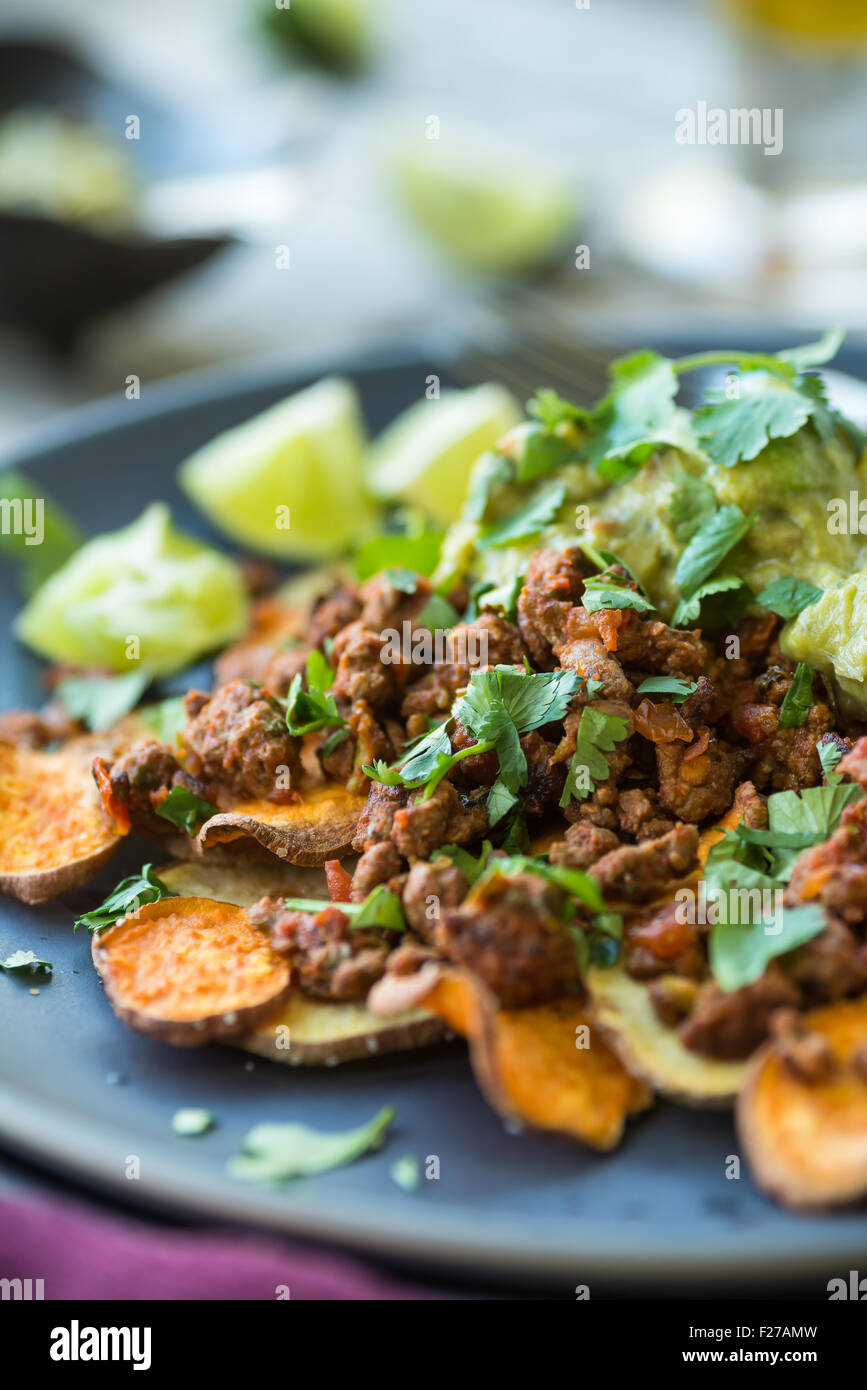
x: 621, y: 1008
x: 303, y: 1031
x: 806, y: 1141
x: 532, y: 1068
x: 54, y: 833
x: 189, y: 969
x: 320, y: 825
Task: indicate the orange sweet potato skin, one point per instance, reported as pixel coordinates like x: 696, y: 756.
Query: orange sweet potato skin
x: 54, y: 833
x: 533, y: 1065
x: 806, y: 1141
x: 186, y: 970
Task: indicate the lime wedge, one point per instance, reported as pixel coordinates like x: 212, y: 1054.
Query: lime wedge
x: 144, y: 597
x: 425, y: 456
x: 335, y: 34
x: 289, y: 482
x: 485, y: 206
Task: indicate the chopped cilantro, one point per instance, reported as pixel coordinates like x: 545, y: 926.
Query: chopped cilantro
x: 668, y: 685
x: 98, y: 701
x: 469, y: 866
x: 405, y: 1173
x: 526, y: 522
x: 688, y: 610
x: 438, y: 614
x: 789, y: 596
x: 25, y: 963
x: 186, y: 810
x: 192, y: 1122
x: 381, y: 908
x: 165, y: 719
x: 491, y: 468
x: 417, y: 550
x: 597, y: 734
x: 693, y: 500
x: 604, y: 591
x: 711, y: 543
x: 830, y: 754
x: 541, y: 452
x: 129, y: 895
x: 278, y: 1152
x: 551, y: 409
x: 795, y: 709
x: 403, y: 579
x: 310, y: 710
x: 503, y: 597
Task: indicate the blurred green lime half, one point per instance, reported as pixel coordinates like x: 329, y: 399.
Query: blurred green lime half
x: 145, y: 597
x: 289, y: 482
x: 335, y: 34
x: 426, y: 455
x: 488, y: 207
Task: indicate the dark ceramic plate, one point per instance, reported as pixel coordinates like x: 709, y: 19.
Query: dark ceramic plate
x: 518, y: 1207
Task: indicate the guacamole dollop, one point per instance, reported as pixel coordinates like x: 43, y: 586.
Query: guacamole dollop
x: 637, y: 478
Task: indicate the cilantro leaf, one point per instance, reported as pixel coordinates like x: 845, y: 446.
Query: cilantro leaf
x: 491, y: 468
x: 470, y: 867
x: 401, y: 578
x: 541, y: 452
x: 312, y: 709
x: 25, y: 963
x: 277, y: 1152
x: 129, y: 895
x: 740, y: 952
x: 829, y: 756
x: 767, y: 407
x: 416, y: 550
x: 693, y: 500
x: 381, y: 908
x: 526, y: 522
x: 501, y: 800
x: 165, y: 719
x: 789, y: 596
x: 688, y: 610
x: 638, y: 414
x: 604, y: 592
x: 668, y: 685
x: 551, y: 409
x: 597, y: 734
x: 98, y: 701
x: 438, y: 614
x: 574, y: 882
x: 795, y: 709
x: 191, y: 1122
x: 186, y: 810
x: 503, y: 597
x: 814, y: 810
x: 711, y: 543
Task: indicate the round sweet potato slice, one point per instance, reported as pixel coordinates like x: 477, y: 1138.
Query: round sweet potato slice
x: 806, y: 1141
x: 531, y: 1067
x: 622, y: 1010
x: 189, y: 969
x: 54, y: 832
x: 320, y: 825
x: 303, y: 1031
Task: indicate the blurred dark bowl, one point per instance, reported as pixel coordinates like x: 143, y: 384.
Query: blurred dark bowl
x: 56, y: 275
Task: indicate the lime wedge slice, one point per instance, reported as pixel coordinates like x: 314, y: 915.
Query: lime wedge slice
x: 144, y: 597
x: 487, y: 207
x: 289, y: 482
x: 425, y: 456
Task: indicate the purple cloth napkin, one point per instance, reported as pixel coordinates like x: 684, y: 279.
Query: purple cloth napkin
x: 82, y: 1255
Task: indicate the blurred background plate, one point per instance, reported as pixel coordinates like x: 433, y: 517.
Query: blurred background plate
x: 79, y: 1094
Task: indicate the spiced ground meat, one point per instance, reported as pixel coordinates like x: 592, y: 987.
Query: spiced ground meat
x: 238, y: 739
x: 512, y: 936
x: 140, y: 781
x: 330, y: 959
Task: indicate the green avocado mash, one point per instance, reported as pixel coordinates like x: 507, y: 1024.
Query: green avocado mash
x: 639, y: 479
